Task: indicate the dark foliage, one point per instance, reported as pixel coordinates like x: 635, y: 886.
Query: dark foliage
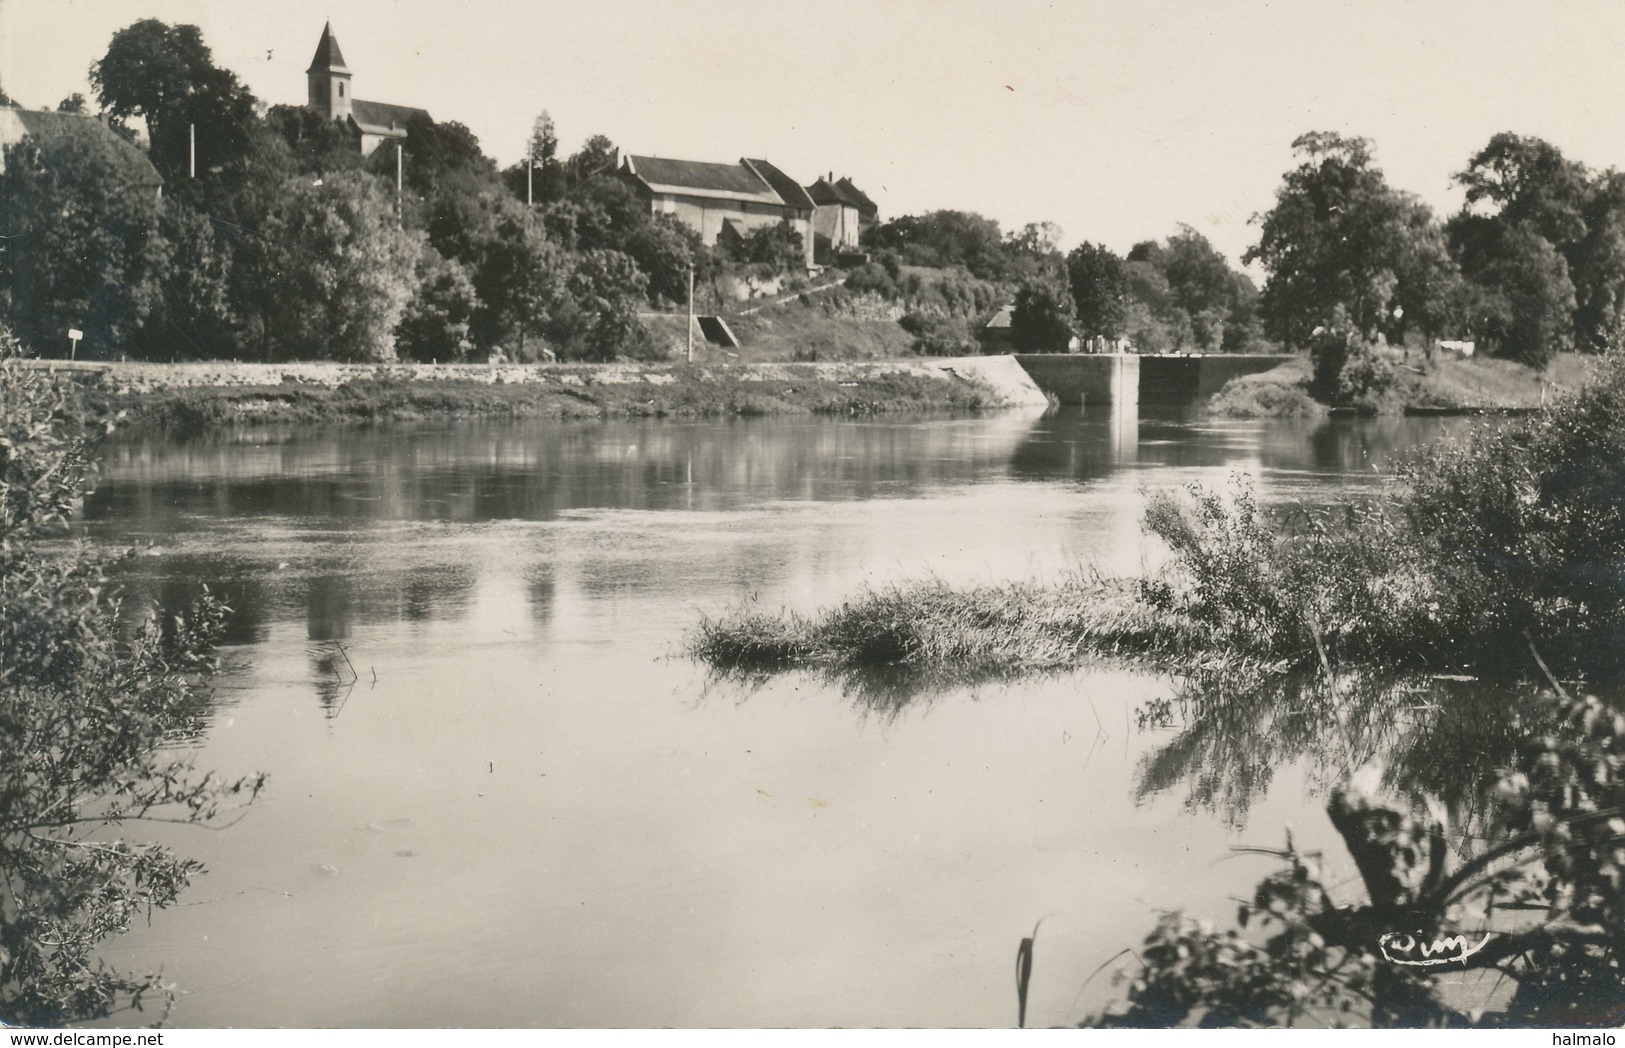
x: 94, y: 718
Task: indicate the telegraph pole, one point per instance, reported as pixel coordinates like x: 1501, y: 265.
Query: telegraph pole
x: 398, y: 166
x: 191, y: 150
x: 691, y: 312
x: 530, y: 173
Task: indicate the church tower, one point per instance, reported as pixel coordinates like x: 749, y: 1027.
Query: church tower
x: 329, y: 79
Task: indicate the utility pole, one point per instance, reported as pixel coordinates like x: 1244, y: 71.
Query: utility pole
x: 398, y: 166
x: 191, y: 149
x: 691, y: 312
x: 530, y: 172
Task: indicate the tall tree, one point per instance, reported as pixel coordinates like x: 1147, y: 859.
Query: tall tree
x: 539, y: 176
x: 596, y: 158
x: 337, y: 272
x: 1099, y: 286
x: 543, y: 144
x: 1044, y: 319
x: 193, y: 318
x: 1338, y: 236
x: 84, y: 249
x: 1597, y: 264
x: 315, y: 145
x: 1523, y: 303
x: 166, y: 76
x: 597, y: 317
x: 1525, y: 179
x: 1519, y: 182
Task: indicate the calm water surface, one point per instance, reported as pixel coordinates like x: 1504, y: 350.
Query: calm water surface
x: 530, y: 811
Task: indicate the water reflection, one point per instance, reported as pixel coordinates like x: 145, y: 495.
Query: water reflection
x: 482, y: 471
x: 1227, y: 737
x: 597, y: 835
x: 1070, y: 443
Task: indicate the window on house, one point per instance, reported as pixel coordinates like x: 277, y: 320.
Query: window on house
x: 341, y: 89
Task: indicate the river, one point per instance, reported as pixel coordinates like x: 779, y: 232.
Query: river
x: 526, y: 808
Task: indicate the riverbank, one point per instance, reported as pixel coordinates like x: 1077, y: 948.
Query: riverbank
x: 1447, y: 386
x: 203, y: 396
x: 1485, y: 546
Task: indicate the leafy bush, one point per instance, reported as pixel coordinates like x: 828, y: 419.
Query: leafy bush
x: 1524, y: 525
x: 1347, y: 370
x: 937, y: 336
x: 89, y: 715
x: 872, y: 278
x: 1513, y: 531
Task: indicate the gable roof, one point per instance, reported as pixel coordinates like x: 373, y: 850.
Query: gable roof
x: 826, y: 193
x: 382, y: 118
x: 861, y: 199
x: 735, y: 181
x: 15, y: 124
x: 329, y: 59
x: 789, y: 189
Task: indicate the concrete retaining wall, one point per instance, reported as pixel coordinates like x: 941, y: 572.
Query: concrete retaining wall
x: 1181, y: 380
x: 1084, y: 378
x: 1119, y: 378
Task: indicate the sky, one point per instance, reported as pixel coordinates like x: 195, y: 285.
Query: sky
x: 1116, y: 120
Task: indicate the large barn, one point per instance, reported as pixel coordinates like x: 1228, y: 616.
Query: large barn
x: 722, y: 200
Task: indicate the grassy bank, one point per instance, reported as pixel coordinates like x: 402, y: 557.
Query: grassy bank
x: 655, y: 391
x: 1445, y: 385
x: 1515, y: 534
x: 797, y: 332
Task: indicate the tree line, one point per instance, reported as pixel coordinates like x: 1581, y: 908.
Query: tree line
x: 286, y: 243
x: 1532, y: 265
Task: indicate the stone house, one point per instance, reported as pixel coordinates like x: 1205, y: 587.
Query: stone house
x: 841, y: 213
x: 994, y: 336
x: 331, y: 95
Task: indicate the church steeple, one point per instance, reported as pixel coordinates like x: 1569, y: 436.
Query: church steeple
x: 329, y: 78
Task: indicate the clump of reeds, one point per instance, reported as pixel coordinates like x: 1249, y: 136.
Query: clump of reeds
x: 930, y: 627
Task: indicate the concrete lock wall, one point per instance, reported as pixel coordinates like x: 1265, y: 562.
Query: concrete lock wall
x: 1125, y: 378
x: 1090, y: 378
x: 1178, y: 380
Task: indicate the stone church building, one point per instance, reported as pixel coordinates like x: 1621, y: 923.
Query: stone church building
x: 331, y: 95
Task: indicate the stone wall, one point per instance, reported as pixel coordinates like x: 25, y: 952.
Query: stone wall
x: 1002, y: 376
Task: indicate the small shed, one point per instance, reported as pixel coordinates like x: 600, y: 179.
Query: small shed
x: 994, y: 336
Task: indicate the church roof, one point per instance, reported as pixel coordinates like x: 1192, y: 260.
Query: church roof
x: 382, y: 118
x: 329, y: 59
